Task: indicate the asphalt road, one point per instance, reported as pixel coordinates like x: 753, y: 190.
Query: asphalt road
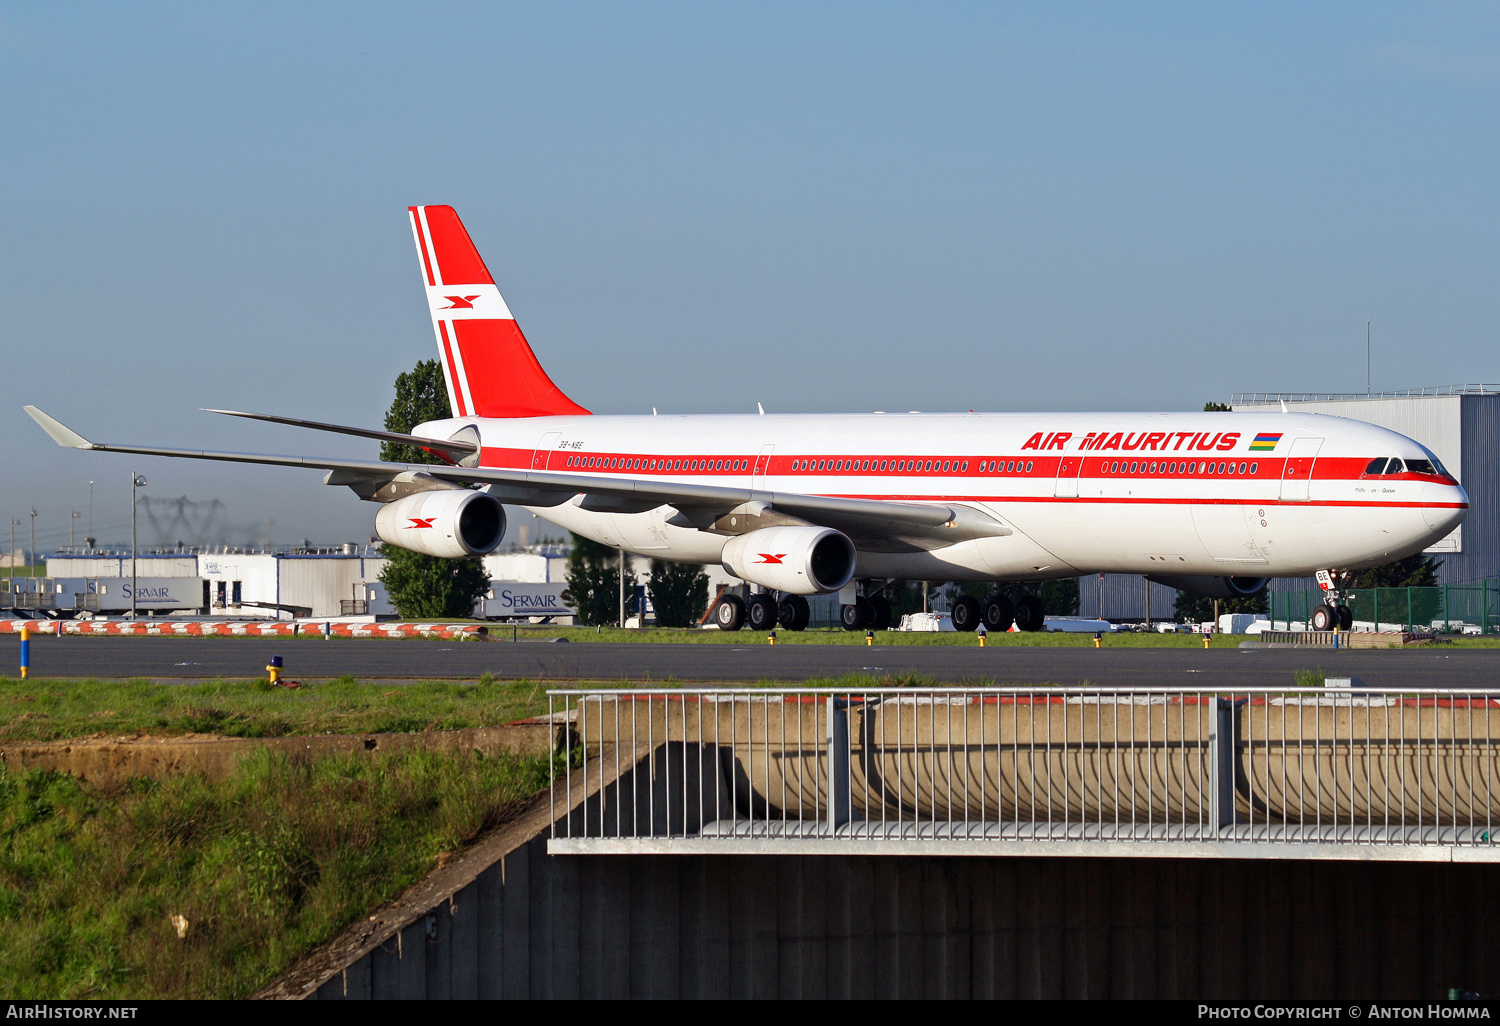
x: 241, y: 658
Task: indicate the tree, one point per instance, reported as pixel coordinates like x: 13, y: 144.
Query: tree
x: 678, y: 593
x: 1419, y: 571
x: 1060, y: 597
x: 419, y: 585
x: 1216, y: 408
x: 593, y: 581
x: 1189, y: 606
x: 427, y: 587
x: 421, y: 395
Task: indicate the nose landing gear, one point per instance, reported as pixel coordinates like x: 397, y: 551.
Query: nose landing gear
x: 1334, y: 614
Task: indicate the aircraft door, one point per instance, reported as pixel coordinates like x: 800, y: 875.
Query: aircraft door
x: 1297, y: 473
x: 1068, y: 469
x: 544, y: 449
x: 762, y: 464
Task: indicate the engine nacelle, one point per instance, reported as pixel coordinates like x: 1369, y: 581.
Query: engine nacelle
x: 799, y: 560
x: 1211, y: 587
x: 451, y: 523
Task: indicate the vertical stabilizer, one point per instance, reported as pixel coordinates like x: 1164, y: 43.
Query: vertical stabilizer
x: 489, y: 368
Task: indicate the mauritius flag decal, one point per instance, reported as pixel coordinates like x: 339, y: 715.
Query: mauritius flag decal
x: 1265, y: 442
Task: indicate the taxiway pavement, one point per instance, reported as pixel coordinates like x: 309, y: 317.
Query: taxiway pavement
x: 167, y: 658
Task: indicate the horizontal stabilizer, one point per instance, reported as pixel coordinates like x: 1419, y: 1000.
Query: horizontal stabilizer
x: 446, y: 445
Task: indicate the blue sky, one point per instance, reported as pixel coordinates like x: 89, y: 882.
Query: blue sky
x: 821, y: 207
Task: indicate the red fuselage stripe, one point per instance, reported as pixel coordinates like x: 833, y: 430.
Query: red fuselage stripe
x: 656, y: 464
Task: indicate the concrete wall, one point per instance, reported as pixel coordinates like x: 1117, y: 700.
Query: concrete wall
x: 539, y: 926
x: 519, y: 923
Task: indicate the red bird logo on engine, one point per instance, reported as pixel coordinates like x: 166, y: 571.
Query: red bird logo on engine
x: 421, y: 522
x: 766, y: 557
x: 460, y: 302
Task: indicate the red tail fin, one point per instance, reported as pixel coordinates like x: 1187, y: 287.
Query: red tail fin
x: 490, y: 370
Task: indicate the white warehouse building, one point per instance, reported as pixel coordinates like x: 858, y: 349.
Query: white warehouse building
x: 343, y: 581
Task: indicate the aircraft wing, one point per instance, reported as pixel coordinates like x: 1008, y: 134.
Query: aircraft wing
x: 864, y: 519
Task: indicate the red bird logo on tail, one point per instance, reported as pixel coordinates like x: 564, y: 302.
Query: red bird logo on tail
x: 460, y: 302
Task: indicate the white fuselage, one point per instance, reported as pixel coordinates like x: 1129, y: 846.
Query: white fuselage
x: 1253, y: 495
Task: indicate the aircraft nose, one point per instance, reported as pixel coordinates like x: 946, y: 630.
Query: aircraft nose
x: 1444, y: 506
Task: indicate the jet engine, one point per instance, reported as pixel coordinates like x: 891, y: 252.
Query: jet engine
x: 799, y: 560
x: 1211, y: 587
x: 451, y: 523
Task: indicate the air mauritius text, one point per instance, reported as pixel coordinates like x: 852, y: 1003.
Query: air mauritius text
x: 1130, y: 441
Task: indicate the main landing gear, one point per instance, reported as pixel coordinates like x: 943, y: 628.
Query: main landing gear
x: 761, y: 612
x: 867, y: 613
x: 1334, y: 614
x: 998, y: 613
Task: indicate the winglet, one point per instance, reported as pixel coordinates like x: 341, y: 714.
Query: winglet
x: 61, y: 434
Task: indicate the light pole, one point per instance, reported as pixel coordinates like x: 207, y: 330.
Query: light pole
x: 33, y: 539
x: 14, y: 523
x: 72, y: 530
x: 91, y: 514
x: 136, y: 481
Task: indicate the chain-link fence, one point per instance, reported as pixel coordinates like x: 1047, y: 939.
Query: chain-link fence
x: 1459, y: 608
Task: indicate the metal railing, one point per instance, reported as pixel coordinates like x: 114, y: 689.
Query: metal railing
x: 1166, y: 771
x: 1252, y: 398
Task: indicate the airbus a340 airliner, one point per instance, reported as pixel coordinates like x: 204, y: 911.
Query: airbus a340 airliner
x: 798, y: 505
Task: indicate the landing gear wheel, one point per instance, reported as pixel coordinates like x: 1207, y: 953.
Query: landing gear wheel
x: 1346, y: 618
x: 998, y: 613
x: 729, y: 614
x: 857, y: 617
x: 1029, y: 613
x: 794, y: 613
x: 760, y: 613
x: 1325, y: 618
x: 965, y: 613
x: 882, y: 610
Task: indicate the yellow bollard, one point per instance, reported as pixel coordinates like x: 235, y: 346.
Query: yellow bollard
x: 1207, y: 639
x: 869, y: 638
x: 771, y: 638
x: 1098, y: 640
x: 25, y: 652
x: 982, y: 636
x: 274, y: 669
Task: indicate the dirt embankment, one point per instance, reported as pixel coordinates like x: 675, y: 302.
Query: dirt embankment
x: 111, y: 759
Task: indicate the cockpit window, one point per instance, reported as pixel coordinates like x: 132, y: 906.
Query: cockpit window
x: 1394, y: 467
x: 1420, y: 467
x: 1377, y: 466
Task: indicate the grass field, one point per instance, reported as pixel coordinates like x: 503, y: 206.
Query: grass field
x: 48, y: 710
x: 182, y: 888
